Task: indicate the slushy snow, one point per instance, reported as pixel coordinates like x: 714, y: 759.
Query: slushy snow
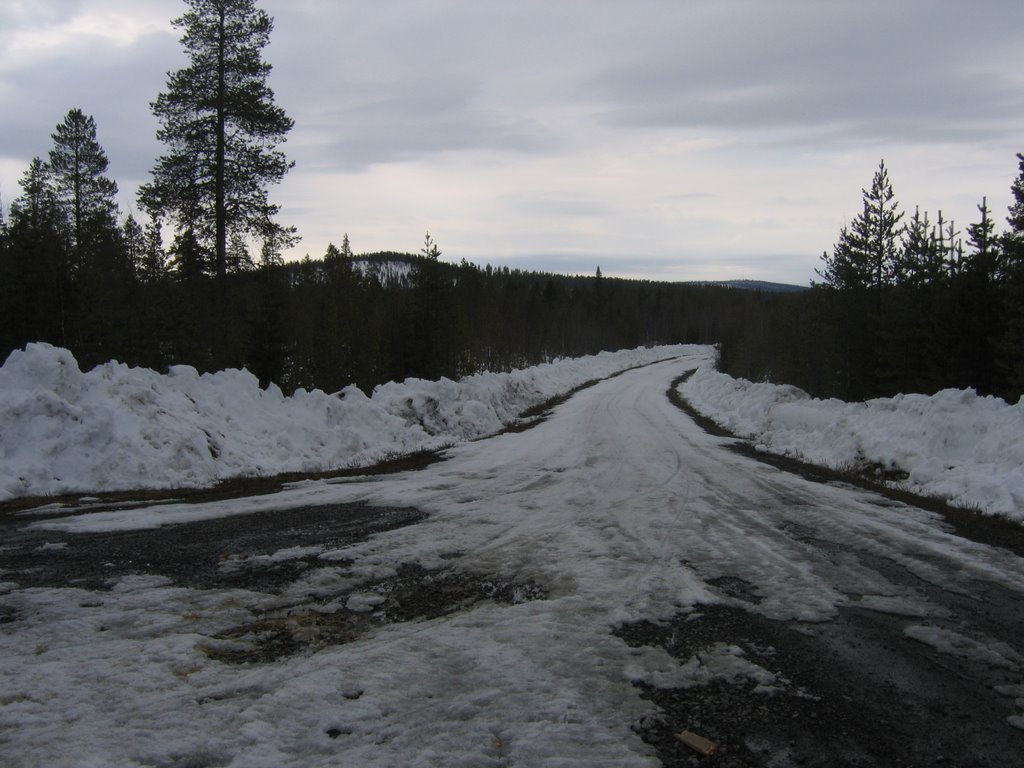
x: 618, y: 506
x: 954, y: 445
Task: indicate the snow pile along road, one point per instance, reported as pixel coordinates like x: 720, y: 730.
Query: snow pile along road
x: 954, y: 444
x: 117, y: 427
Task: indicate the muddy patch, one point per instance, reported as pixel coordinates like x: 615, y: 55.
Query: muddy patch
x: 732, y: 586
x: 229, y: 552
x: 415, y: 593
x: 851, y: 692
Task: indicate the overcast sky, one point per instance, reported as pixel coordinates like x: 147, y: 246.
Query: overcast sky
x: 663, y: 139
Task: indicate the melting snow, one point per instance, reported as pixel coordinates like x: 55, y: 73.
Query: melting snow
x: 618, y: 506
x: 954, y: 444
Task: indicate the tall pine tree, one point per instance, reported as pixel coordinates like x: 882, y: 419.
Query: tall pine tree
x: 78, y: 166
x: 222, y: 129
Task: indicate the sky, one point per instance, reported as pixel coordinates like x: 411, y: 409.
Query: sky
x: 655, y: 139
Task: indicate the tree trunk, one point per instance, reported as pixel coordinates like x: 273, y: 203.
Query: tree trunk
x: 221, y: 218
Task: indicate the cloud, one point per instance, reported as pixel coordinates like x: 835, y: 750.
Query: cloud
x: 409, y: 121
x: 100, y: 57
x: 73, y: 30
x: 406, y: 81
x: 704, y: 137
x: 825, y: 72
x: 565, y: 206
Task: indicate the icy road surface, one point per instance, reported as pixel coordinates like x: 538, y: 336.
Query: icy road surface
x: 552, y: 597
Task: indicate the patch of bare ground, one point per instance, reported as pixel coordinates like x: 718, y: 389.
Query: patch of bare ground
x: 857, y: 690
x: 853, y: 691
x: 413, y: 594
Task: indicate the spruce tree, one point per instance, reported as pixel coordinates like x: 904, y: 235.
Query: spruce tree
x: 883, y: 230
x: 866, y: 262
x: 868, y: 251
x: 222, y: 129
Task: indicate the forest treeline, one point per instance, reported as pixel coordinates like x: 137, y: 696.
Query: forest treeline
x: 77, y: 273
x: 326, y: 322
x: 904, y: 305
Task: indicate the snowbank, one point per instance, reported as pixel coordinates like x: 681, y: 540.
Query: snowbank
x: 117, y: 427
x: 953, y: 444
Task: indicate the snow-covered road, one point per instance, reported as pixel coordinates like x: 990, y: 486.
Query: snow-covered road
x: 614, y: 510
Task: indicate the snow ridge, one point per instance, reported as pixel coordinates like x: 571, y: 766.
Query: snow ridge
x: 118, y: 428
x: 121, y: 428
x: 954, y: 444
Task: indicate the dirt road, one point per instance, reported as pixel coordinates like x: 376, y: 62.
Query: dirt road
x: 575, y: 594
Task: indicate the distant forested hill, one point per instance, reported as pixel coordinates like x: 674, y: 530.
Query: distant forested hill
x: 758, y: 285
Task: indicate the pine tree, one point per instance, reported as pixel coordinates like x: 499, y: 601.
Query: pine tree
x: 189, y: 259
x: 866, y: 261
x: 845, y: 268
x: 272, y: 246
x: 222, y: 129
x: 427, y: 347
x: 429, y: 249
x: 977, y: 321
x: 882, y: 227
x: 1012, y: 266
x: 3, y: 230
x: 8, y: 291
x: 1016, y: 217
x: 1011, y: 275
x: 37, y: 253
x: 153, y: 266
x: 868, y: 253
x: 78, y: 166
x: 37, y: 206
x: 918, y: 252
x: 332, y: 255
x: 982, y: 239
x: 134, y: 238
x: 239, y: 258
x: 953, y: 255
